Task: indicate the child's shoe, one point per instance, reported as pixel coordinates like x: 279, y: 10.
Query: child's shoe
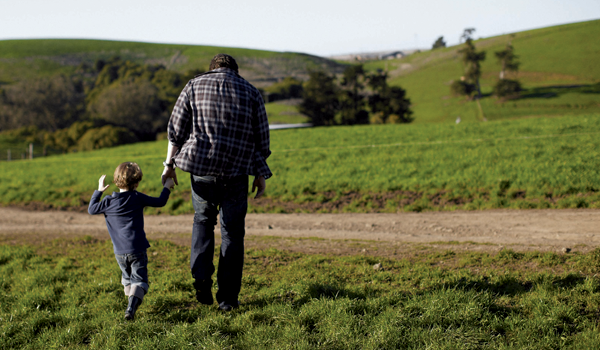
x: 134, y: 302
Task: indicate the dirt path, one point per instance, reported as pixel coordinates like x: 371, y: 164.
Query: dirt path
x: 375, y: 234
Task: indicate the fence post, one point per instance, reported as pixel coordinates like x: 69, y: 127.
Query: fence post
x: 8, y: 156
x: 31, y: 151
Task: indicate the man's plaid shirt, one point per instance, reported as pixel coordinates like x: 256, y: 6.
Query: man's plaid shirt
x: 220, y: 125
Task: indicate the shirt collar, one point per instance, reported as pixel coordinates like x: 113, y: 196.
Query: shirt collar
x: 224, y: 70
x: 122, y: 194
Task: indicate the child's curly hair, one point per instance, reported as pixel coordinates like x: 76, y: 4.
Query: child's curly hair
x: 127, y: 175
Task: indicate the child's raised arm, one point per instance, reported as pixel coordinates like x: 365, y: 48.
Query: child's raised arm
x: 96, y: 206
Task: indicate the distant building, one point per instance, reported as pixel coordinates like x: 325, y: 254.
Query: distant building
x: 367, y: 56
x: 392, y: 55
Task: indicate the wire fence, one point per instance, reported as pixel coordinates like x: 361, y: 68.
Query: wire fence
x: 25, y: 151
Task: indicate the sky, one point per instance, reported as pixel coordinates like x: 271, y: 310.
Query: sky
x: 318, y: 27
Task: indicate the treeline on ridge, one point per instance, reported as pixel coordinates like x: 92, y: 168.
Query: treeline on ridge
x: 116, y: 101
x: 109, y: 103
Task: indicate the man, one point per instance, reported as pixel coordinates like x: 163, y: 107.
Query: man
x: 219, y: 133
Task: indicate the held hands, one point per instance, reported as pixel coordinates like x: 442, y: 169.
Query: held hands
x: 169, y: 173
x: 101, y: 186
x: 169, y: 183
x: 260, y: 185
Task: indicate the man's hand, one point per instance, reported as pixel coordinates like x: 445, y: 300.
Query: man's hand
x: 260, y: 185
x: 101, y: 186
x: 169, y: 184
x: 169, y: 173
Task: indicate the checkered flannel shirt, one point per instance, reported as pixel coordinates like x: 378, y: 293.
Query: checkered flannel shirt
x: 220, y: 125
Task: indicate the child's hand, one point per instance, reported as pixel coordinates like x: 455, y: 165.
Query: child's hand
x: 101, y: 186
x: 169, y: 183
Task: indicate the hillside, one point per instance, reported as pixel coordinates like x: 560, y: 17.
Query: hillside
x: 558, y: 69
x: 23, y: 59
x: 523, y: 163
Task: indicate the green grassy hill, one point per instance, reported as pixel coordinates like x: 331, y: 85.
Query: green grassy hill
x: 558, y: 68
x: 516, y: 163
x: 22, y: 59
x: 523, y: 163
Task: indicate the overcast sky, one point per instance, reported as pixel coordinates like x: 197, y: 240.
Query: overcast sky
x: 320, y: 27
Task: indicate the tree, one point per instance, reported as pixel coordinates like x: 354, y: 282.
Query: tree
x: 507, y: 88
x: 388, y: 104
x: 439, y: 43
x: 133, y: 104
x: 471, y: 59
x: 466, y: 35
x: 320, y: 99
x: 289, y: 87
x: 508, y: 60
x: 352, y: 97
x: 135, y: 96
x: 48, y: 103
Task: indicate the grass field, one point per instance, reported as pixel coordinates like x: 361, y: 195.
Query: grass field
x: 510, y: 161
x: 282, y: 112
x: 523, y: 163
x: 557, y: 70
x: 68, y: 294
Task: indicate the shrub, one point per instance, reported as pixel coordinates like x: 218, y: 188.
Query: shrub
x: 507, y: 88
x: 66, y: 139
x: 106, y: 136
x: 288, y: 88
x: 377, y: 118
x: 461, y: 88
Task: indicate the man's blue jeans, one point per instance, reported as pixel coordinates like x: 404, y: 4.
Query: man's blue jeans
x: 229, y: 199
x: 134, y: 269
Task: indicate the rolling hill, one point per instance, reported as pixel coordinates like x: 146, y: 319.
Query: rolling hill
x: 25, y: 59
x: 558, y: 69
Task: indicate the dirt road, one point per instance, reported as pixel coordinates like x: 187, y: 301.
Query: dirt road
x: 341, y: 234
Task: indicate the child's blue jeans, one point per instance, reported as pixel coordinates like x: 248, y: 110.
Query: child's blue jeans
x: 134, y: 270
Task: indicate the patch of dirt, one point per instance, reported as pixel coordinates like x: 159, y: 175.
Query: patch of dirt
x: 332, y: 202
x: 387, y: 235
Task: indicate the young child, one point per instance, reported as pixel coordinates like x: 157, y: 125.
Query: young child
x: 124, y: 213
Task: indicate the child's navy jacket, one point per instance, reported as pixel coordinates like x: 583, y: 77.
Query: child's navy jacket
x: 124, y: 213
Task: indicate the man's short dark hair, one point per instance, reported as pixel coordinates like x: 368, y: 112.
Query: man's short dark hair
x: 223, y: 60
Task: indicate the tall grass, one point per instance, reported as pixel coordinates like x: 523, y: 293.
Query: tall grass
x: 67, y: 294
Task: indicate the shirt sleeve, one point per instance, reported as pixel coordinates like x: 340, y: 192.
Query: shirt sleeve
x: 180, y: 123
x: 96, y: 206
x: 156, y: 202
x: 260, y: 126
